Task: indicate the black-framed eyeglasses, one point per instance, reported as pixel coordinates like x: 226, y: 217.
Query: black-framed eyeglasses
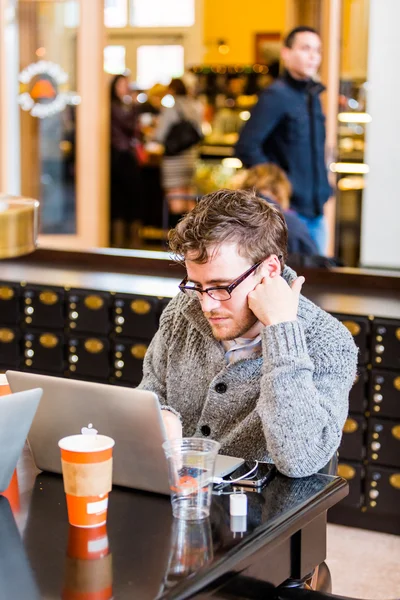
x: 221, y: 292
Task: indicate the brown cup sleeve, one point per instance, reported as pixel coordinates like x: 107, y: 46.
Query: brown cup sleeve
x: 94, y: 479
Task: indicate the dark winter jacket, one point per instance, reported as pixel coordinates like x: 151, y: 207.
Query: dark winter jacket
x: 287, y: 127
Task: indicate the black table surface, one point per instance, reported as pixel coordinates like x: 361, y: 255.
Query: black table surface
x: 152, y: 554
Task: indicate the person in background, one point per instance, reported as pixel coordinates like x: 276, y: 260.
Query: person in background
x: 126, y: 188
x: 178, y: 171
x: 271, y: 184
x: 287, y: 127
x: 154, y: 97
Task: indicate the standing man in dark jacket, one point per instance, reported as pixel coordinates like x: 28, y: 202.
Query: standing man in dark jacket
x: 287, y: 127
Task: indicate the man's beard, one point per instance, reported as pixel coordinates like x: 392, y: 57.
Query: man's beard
x: 236, y: 329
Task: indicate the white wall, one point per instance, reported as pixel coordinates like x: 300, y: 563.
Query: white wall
x: 10, y: 174
x: 380, y: 229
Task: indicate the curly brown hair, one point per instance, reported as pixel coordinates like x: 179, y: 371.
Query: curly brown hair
x: 268, y: 178
x: 258, y: 228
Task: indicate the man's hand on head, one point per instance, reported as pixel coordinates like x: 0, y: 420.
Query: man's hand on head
x: 172, y: 424
x: 273, y: 301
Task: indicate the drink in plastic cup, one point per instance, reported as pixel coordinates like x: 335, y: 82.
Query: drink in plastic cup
x: 87, y: 471
x: 191, y: 463
x: 4, y: 387
x: 88, y: 565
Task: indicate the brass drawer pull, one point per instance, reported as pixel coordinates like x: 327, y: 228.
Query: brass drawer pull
x: 394, y: 481
x: 396, y: 432
x: 6, y: 293
x: 353, y: 327
x: 140, y: 307
x: 48, y: 297
x: 93, y: 345
x: 6, y: 336
x: 48, y: 340
x: 350, y: 426
x: 346, y: 471
x: 94, y: 302
x: 138, y: 351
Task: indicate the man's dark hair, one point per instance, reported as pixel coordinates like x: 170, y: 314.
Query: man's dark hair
x: 289, y: 39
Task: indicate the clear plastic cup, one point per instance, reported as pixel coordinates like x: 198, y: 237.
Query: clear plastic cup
x: 191, y: 463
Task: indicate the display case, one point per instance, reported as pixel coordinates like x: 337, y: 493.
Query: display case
x: 351, y: 169
x: 229, y: 93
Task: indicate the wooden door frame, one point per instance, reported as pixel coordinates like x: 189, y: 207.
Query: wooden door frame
x: 92, y: 135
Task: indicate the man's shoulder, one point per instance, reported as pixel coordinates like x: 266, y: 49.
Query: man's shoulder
x: 279, y: 89
x: 322, y: 328
x: 174, y: 308
x: 180, y: 313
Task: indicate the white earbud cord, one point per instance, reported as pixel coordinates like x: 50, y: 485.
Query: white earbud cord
x: 225, y: 482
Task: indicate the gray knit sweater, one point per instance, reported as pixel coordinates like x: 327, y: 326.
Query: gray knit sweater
x: 287, y: 406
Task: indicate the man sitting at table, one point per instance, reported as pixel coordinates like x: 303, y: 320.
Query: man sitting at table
x: 240, y: 355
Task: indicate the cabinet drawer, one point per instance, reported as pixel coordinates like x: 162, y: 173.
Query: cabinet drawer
x: 43, y: 351
x: 352, y: 444
x: 135, y: 316
x: 354, y: 475
x: 358, y: 393
x: 386, y: 344
x: 88, y: 312
x: 384, y: 394
x: 384, y: 442
x: 10, y: 348
x: 382, y: 491
x: 89, y: 357
x: 43, y: 307
x: 127, y: 361
x: 9, y: 303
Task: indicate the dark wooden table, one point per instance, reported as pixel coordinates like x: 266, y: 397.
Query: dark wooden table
x: 154, y: 556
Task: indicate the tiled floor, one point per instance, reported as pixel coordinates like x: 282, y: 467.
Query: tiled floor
x: 363, y: 564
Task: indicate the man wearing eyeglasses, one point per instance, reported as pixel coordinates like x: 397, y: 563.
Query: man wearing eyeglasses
x: 241, y: 356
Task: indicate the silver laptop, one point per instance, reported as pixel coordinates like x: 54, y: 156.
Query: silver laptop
x: 16, y: 414
x: 131, y: 417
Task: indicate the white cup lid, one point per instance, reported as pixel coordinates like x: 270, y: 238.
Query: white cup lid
x: 86, y: 443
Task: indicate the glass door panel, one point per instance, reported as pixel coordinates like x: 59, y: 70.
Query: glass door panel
x: 48, y: 98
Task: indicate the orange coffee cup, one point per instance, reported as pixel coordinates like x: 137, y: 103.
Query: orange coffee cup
x: 87, y: 471
x: 4, y: 387
x: 88, y: 566
x: 12, y: 493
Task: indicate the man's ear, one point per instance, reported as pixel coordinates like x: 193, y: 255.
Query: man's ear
x: 271, y: 266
